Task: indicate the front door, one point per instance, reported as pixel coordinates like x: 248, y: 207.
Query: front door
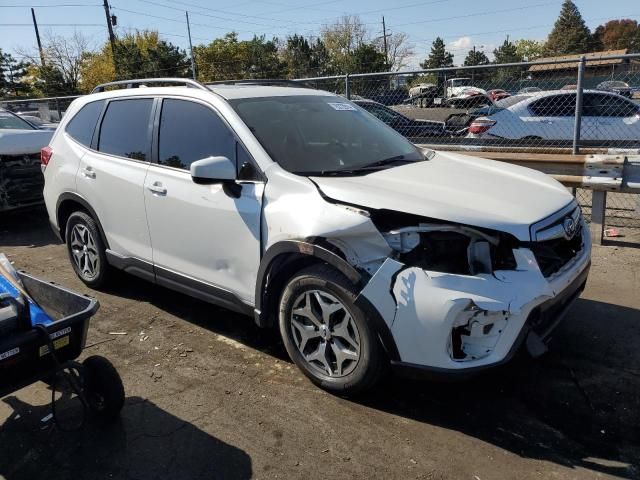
x: 207, y: 234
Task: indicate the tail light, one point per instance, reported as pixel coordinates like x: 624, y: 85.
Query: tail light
x: 481, y: 125
x: 45, y: 155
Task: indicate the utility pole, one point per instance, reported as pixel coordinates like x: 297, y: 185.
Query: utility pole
x: 35, y: 26
x: 193, y: 61
x: 112, y: 37
x: 386, y: 48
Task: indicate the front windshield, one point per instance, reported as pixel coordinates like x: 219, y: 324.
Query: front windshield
x: 617, y: 84
x: 316, y: 134
x: 10, y: 121
x: 459, y: 82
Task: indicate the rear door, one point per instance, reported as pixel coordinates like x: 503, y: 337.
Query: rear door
x: 111, y: 175
x: 552, y: 117
x: 203, y: 236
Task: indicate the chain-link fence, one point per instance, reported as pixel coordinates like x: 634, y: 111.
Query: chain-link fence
x: 40, y: 112
x: 579, y: 104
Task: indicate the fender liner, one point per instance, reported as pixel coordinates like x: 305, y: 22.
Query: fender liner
x: 313, y: 249
x: 78, y: 199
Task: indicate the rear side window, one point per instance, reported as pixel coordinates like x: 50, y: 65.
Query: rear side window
x: 125, y: 129
x: 597, y: 105
x: 555, y: 106
x: 190, y: 131
x: 82, y: 125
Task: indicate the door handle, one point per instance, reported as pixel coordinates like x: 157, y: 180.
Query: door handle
x: 157, y: 188
x: 88, y: 172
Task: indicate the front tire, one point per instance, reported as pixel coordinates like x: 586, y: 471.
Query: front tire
x: 86, y: 249
x: 326, y: 334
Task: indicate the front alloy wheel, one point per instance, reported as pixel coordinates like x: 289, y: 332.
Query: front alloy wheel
x: 328, y: 336
x: 325, y: 334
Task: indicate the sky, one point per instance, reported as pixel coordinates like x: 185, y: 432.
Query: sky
x: 461, y: 23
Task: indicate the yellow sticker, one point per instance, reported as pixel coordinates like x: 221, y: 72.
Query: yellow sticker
x: 57, y: 345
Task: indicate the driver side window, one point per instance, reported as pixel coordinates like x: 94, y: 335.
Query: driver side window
x: 190, y: 131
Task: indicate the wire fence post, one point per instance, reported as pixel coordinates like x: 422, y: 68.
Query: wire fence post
x: 347, y: 89
x: 578, y: 120
x: 58, y: 109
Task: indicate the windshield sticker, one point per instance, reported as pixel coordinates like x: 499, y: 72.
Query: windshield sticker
x: 343, y: 107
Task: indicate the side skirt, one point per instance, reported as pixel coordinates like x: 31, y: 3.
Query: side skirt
x: 179, y: 283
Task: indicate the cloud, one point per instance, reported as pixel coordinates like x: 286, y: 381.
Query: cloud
x: 462, y: 43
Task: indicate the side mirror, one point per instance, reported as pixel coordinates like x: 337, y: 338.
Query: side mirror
x: 213, y: 170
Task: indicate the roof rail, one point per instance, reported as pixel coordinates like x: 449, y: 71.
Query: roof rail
x: 135, y: 83
x: 262, y: 82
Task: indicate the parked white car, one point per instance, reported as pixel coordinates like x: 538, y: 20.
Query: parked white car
x: 299, y: 208
x: 457, y: 87
x: 550, y: 115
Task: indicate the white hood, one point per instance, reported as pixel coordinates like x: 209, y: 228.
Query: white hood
x: 457, y: 188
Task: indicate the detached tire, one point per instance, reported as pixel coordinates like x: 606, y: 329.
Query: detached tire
x: 326, y: 335
x: 86, y: 249
x: 103, y: 388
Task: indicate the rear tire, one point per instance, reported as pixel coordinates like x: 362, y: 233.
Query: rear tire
x: 326, y: 334
x: 86, y: 250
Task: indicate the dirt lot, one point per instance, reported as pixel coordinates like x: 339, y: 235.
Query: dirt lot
x: 211, y: 396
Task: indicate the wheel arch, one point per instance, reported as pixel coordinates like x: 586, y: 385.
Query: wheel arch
x: 70, y: 202
x: 283, y: 259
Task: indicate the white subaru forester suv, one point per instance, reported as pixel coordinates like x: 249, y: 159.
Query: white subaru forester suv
x: 298, y: 207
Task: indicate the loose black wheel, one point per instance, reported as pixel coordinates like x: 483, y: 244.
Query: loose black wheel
x: 103, y: 388
x: 86, y: 249
x: 326, y: 334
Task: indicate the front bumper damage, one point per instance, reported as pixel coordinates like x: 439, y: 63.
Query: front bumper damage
x: 449, y: 323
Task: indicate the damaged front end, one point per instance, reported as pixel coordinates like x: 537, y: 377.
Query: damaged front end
x: 457, y: 297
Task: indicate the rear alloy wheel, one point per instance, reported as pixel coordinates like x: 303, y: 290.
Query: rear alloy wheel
x: 326, y: 334
x: 86, y: 249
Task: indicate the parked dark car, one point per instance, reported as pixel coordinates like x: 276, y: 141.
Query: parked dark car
x: 616, y: 86
x: 404, y: 125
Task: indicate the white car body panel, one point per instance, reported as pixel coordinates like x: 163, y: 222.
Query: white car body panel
x: 457, y: 188
x: 202, y: 231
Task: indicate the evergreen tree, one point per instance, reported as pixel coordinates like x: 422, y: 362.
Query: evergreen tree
x: 570, y: 34
x: 439, y: 57
x: 507, y: 53
x: 12, y: 75
x: 476, y: 57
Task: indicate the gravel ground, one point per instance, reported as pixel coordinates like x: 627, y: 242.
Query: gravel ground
x: 211, y: 396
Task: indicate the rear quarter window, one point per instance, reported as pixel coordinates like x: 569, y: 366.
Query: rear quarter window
x: 83, y: 124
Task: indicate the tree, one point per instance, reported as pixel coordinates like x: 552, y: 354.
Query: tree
x: 618, y: 35
x: 297, y: 56
x: 143, y: 54
x: 398, y: 50
x: 476, y: 57
x: 506, y: 53
x: 529, y: 50
x: 367, y: 58
x: 439, y: 57
x: 12, y: 76
x: 570, y: 34
x: 229, y: 58
x: 138, y: 54
x: 341, y: 40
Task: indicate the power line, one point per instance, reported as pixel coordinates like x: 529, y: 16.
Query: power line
x: 52, y: 25
x: 53, y: 6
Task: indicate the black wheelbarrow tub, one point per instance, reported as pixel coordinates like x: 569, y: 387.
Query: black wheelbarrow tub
x: 24, y: 355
